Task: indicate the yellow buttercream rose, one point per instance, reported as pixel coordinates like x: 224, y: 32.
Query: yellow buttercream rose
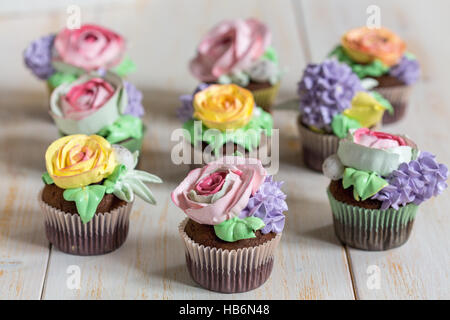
x: 224, y: 106
x: 365, y: 109
x: 79, y: 160
x: 364, y: 45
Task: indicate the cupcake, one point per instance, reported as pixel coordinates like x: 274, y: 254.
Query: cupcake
x: 235, y: 220
x: 63, y: 57
x: 239, y: 51
x: 90, y: 186
x: 378, y: 182
x: 223, y: 119
x: 332, y: 101
x: 103, y: 105
x: 381, y: 56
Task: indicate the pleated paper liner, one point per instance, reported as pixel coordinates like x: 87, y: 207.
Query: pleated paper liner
x: 229, y: 271
x: 316, y: 146
x: 104, y: 233
x: 372, y: 229
x: 265, y: 98
x: 398, y: 96
x: 262, y: 152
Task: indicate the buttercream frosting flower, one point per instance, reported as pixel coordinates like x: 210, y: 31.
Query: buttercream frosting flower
x: 220, y: 190
x: 79, y: 160
x: 88, y: 104
x: 365, y: 109
x: 224, y: 107
x: 375, y: 151
x: 365, y: 45
x: 230, y: 46
x: 90, y: 47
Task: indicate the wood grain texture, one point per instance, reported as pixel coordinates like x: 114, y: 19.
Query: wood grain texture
x: 162, y: 35
x: 419, y: 269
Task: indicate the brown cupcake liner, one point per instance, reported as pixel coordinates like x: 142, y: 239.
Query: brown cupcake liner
x: 398, y: 96
x: 372, y: 229
x: 262, y: 152
x: 229, y: 271
x: 104, y: 233
x: 316, y: 146
x: 265, y: 98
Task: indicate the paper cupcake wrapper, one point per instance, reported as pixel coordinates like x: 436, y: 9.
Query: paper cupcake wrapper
x: 372, y: 229
x: 316, y: 147
x: 229, y: 271
x: 104, y: 233
x: 398, y: 96
x: 262, y: 152
x: 265, y: 98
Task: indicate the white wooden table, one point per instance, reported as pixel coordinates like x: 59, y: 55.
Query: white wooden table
x: 162, y: 35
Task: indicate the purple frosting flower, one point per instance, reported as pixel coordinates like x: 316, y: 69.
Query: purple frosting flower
x: 407, y: 70
x: 186, y: 110
x: 134, y: 106
x: 268, y: 204
x: 325, y: 90
x: 38, y: 57
x: 414, y: 182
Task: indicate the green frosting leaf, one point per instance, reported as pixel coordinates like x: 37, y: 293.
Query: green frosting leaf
x: 248, y: 136
x: 236, y: 229
x: 123, y: 128
x: 341, y: 124
x: 124, y: 184
x: 383, y: 101
x: 86, y: 199
x: 125, y: 67
x: 47, y: 178
x: 59, y: 78
x: 365, y: 184
x: 271, y: 55
x: 373, y: 69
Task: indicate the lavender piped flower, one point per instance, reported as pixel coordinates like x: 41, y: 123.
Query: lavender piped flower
x: 134, y: 107
x: 413, y: 182
x: 268, y: 204
x: 186, y: 110
x: 38, y: 57
x: 407, y: 70
x: 325, y: 90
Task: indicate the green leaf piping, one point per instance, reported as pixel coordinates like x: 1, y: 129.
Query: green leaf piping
x: 125, y: 127
x: 365, y: 184
x: 236, y: 229
x: 125, y: 67
x: 383, y: 101
x: 341, y: 124
x: 47, y: 178
x: 86, y: 199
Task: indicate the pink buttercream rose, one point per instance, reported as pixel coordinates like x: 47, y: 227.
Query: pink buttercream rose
x: 86, y: 98
x: 376, y: 139
x: 243, y: 178
x: 90, y: 47
x: 229, y: 46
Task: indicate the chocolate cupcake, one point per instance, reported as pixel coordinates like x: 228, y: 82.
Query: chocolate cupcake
x: 238, y: 51
x: 100, y: 104
x: 332, y: 101
x: 378, y: 182
x: 380, y: 55
x: 223, y: 119
x: 89, y: 192
x: 62, y: 57
x: 235, y: 222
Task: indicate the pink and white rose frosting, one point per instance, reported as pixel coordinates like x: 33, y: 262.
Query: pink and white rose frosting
x: 90, y: 47
x: 86, y: 98
x: 230, y: 46
x: 220, y: 190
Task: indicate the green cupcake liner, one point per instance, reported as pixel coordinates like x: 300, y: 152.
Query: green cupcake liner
x: 372, y: 229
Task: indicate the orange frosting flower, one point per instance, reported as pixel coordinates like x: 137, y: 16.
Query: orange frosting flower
x: 364, y: 45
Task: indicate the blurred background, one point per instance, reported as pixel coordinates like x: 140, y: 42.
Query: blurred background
x: 162, y: 36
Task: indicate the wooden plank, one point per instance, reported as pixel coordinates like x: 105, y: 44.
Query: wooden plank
x: 419, y: 269
x: 23, y: 248
x: 310, y: 264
